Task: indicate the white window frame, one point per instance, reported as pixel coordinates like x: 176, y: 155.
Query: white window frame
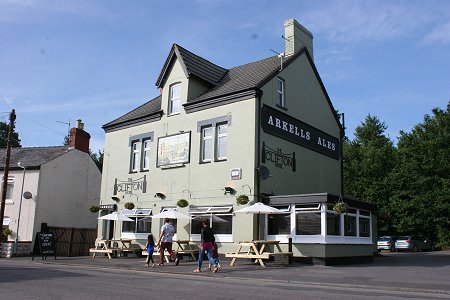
x: 142, y: 213
x: 135, y: 155
x: 146, y: 154
x: 206, y: 140
x: 280, y: 92
x: 221, y: 138
x: 207, y: 211
x: 174, y: 99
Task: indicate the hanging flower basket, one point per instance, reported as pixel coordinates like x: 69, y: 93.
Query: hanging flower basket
x: 129, y: 205
x: 94, y: 208
x: 7, y: 232
x: 242, y: 199
x: 340, y: 207
x: 182, y: 203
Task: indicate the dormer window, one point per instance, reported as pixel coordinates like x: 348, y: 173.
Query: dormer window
x: 280, y: 93
x: 174, y: 98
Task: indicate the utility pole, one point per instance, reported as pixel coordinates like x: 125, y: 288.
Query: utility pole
x: 12, y: 119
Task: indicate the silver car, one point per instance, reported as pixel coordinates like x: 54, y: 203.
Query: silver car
x: 412, y: 243
x: 386, y: 243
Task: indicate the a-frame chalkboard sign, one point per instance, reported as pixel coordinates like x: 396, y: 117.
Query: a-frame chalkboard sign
x: 44, y: 245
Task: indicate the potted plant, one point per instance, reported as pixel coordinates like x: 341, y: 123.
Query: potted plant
x: 94, y: 208
x: 129, y: 205
x: 7, y: 232
x: 182, y: 203
x: 242, y: 199
x: 340, y: 207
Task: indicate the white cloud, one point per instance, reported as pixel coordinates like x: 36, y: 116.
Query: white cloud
x: 359, y: 22
x: 439, y: 34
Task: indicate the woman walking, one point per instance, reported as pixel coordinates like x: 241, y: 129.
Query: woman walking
x: 206, y: 244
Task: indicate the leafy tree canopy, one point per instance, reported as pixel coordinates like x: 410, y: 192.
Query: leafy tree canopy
x: 4, y: 129
x: 421, y: 179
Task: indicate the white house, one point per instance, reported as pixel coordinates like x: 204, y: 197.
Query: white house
x: 53, y: 185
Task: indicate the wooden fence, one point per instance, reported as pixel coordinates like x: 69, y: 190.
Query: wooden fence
x: 73, y: 241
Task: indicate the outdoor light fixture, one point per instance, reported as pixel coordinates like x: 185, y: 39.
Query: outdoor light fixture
x: 229, y: 189
x: 160, y: 195
x: 115, y: 198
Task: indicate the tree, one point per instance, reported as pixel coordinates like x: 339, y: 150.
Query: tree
x: 98, y: 158
x: 368, y: 160
x: 421, y: 180
x: 4, y: 129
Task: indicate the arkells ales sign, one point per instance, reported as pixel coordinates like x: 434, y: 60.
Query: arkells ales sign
x: 298, y: 132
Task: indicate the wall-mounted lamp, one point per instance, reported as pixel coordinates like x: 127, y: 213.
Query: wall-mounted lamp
x: 115, y: 198
x: 160, y: 195
x: 229, y: 189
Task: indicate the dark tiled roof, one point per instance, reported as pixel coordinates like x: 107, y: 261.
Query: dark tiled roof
x: 225, y: 82
x: 146, y: 109
x: 192, y: 65
x: 32, y: 157
x: 243, y: 78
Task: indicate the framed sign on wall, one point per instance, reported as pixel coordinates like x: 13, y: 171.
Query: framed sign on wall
x: 174, y: 149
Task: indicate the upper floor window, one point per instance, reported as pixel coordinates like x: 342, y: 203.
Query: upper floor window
x: 146, y: 154
x: 206, y: 146
x: 222, y: 134
x: 140, y: 152
x: 174, y: 98
x: 135, y: 151
x: 214, y: 138
x: 280, y: 93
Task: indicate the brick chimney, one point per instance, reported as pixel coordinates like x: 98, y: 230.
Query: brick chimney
x: 79, y: 139
x: 297, y: 37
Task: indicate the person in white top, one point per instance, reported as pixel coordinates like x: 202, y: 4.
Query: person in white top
x: 165, y: 242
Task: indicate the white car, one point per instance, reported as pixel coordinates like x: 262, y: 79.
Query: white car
x: 386, y: 243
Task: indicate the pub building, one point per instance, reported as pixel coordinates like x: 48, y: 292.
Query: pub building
x: 266, y: 130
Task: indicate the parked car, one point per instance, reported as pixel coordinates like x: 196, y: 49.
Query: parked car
x: 386, y: 243
x: 412, y: 243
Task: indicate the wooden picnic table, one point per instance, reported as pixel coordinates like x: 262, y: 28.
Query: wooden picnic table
x: 111, y: 246
x: 179, y: 247
x: 258, y: 250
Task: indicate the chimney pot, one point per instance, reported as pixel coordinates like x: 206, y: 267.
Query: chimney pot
x: 79, y: 139
x: 297, y: 37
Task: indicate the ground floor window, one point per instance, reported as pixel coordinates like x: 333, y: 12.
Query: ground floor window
x: 318, y: 223
x: 142, y: 222
x: 307, y: 219
x: 220, y: 218
x: 350, y: 223
x: 279, y: 224
x: 364, y: 223
x: 333, y: 222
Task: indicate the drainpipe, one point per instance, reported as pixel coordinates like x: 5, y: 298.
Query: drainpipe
x: 258, y: 155
x: 342, y: 154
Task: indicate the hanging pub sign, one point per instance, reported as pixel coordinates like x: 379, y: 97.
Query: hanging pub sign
x: 298, y: 132
x: 130, y: 186
x: 279, y: 158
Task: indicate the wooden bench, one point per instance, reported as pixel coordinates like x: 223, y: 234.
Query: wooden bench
x: 93, y: 250
x: 248, y: 255
x: 279, y: 253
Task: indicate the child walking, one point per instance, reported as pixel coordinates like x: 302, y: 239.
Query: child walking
x: 150, y: 249
x: 215, y: 256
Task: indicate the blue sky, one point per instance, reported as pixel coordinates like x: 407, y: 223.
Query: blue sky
x: 98, y: 59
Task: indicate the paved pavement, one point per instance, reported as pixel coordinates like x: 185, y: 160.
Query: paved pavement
x: 425, y: 272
